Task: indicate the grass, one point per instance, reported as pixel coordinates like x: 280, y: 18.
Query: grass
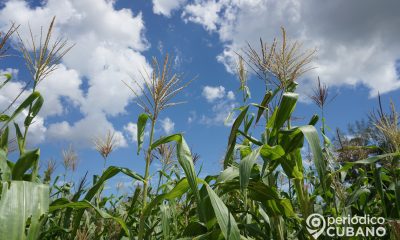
x: 264, y: 189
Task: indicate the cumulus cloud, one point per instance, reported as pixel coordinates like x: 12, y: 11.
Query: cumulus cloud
x: 62, y: 84
x: 223, y: 104
x: 131, y: 130
x: 220, y: 113
x: 192, y: 117
x: 108, y: 49
x: 203, y: 12
x: 78, y: 131
x: 213, y: 93
x: 230, y: 95
x: 167, y: 125
x: 165, y: 8
x: 357, y: 41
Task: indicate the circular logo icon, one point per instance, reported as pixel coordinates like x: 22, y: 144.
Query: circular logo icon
x: 316, y: 224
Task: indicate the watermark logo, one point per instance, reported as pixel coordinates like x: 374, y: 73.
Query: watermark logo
x: 316, y: 224
x: 345, y: 226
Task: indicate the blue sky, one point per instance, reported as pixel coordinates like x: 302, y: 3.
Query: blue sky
x: 357, y: 45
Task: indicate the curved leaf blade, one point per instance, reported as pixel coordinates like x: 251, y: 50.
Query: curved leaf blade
x: 65, y: 203
x: 26, y: 161
x: 245, y: 166
x: 232, y: 136
x: 20, y: 201
x: 225, y: 219
x: 141, y: 126
x: 107, y: 174
x: 311, y: 134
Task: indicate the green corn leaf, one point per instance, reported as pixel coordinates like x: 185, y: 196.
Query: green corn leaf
x: 232, y: 136
x: 225, y: 219
x: 271, y: 120
x: 107, y: 174
x: 20, y: 138
x: 35, y: 96
x: 292, y: 86
x: 291, y: 166
x: 228, y: 174
x: 243, y: 149
x: 26, y: 161
x: 284, y: 110
x: 141, y: 126
x: 264, y: 103
x: 253, y: 230
x: 165, y: 220
x: 248, y: 120
x: 134, y: 199
x: 215, y: 234
x: 245, y: 166
x: 379, y: 187
x: 256, y: 189
x: 205, y: 203
x: 314, y: 119
x: 397, y: 195
x: 311, y: 135
x: 68, y: 213
x: 22, y: 202
x: 8, y: 77
x: 34, y: 110
x: 4, y: 139
x: 260, y: 192
x: 65, y: 203
x: 194, y: 229
x: 282, y: 207
x: 5, y: 172
x: 369, y: 148
x: 291, y: 140
x: 272, y: 153
x: 251, y: 139
x: 185, y: 160
x: 180, y: 188
x: 265, y: 217
x: 4, y: 117
x: 355, y: 195
x: 367, y: 161
x: 171, y: 138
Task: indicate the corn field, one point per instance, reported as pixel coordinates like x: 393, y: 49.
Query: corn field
x: 268, y: 185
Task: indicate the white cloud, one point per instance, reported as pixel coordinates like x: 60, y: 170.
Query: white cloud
x: 223, y: 104
x: 119, y: 139
x: 163, y: 7
x: 131, y: 130
x: 230, y: 95
x: 213, y: 93
x: 357, y: 41
x: 63, y: 83
x: 95, y: 124
x: 168, y: 125
x: 220, y: 112
x: 108, y: 49
x: 160, y: 47
x: 203, y: 12
x: 192, y: 116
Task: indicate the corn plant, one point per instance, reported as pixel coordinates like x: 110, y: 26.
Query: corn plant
x: 24, y: 200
